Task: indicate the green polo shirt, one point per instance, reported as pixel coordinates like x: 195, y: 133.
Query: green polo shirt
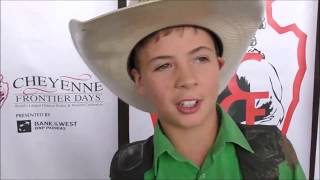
x: 221, y: 161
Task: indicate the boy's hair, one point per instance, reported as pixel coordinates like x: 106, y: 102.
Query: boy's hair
x: 133, y: 60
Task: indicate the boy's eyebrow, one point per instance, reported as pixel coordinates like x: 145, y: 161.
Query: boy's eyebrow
x: 190, y: 52
x: 198, y: 49
x: 159, y: 58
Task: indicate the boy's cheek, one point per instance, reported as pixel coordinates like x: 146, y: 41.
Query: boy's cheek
x: 156, y: 94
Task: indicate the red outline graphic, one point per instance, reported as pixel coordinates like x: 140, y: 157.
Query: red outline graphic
x: 154, y: 118
x: 249, y: 97
x: 301, y: 55
x: 252, y: 56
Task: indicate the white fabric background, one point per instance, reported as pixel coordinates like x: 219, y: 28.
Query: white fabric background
x: 35, y: 41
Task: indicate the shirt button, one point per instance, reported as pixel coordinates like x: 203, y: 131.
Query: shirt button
x: 203, y: 175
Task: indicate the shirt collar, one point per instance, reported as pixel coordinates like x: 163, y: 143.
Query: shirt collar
x: 228, y: 132
x: 163, y: 145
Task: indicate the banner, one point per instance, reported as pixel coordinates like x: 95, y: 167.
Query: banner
x: 59, y: 122
x: 57, y: 119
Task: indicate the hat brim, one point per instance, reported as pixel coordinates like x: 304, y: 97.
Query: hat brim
x: 105, y: 42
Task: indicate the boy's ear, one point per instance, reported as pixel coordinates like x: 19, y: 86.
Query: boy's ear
x: 220, y: 62
x: 137, y: 79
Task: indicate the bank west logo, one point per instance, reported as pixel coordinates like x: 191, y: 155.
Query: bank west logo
x: 24, y: 126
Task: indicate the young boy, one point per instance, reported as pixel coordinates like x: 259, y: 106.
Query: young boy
x: 177, y: 67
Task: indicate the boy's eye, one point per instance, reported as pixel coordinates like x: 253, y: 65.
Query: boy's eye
x: 163, y: 67
x: 202, y: 59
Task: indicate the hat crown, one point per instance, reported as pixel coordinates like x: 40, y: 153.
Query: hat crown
x: 106, y: 42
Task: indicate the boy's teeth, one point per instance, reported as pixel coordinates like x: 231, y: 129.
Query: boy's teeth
x: 188, y: 103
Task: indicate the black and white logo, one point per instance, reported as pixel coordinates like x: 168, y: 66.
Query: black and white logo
x: 24, y: 126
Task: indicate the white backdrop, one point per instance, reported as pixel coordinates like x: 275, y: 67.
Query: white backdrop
x: 72, y: 117
x: 51, y: 92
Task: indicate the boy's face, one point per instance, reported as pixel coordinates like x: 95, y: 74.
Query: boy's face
x: 179, y: 75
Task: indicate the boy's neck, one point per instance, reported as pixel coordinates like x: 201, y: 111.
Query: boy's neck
x: 194, y: 144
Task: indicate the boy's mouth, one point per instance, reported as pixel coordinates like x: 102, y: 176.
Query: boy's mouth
x: 188, y: 106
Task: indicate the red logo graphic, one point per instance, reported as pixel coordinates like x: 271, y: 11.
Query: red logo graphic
x: 255, y: 97
x: 271, y: 108
x: 4, y: 90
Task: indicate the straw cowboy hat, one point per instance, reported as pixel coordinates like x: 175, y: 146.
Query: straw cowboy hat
x: 105, y: 42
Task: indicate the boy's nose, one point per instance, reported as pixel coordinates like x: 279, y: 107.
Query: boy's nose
x: 185, y: 78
